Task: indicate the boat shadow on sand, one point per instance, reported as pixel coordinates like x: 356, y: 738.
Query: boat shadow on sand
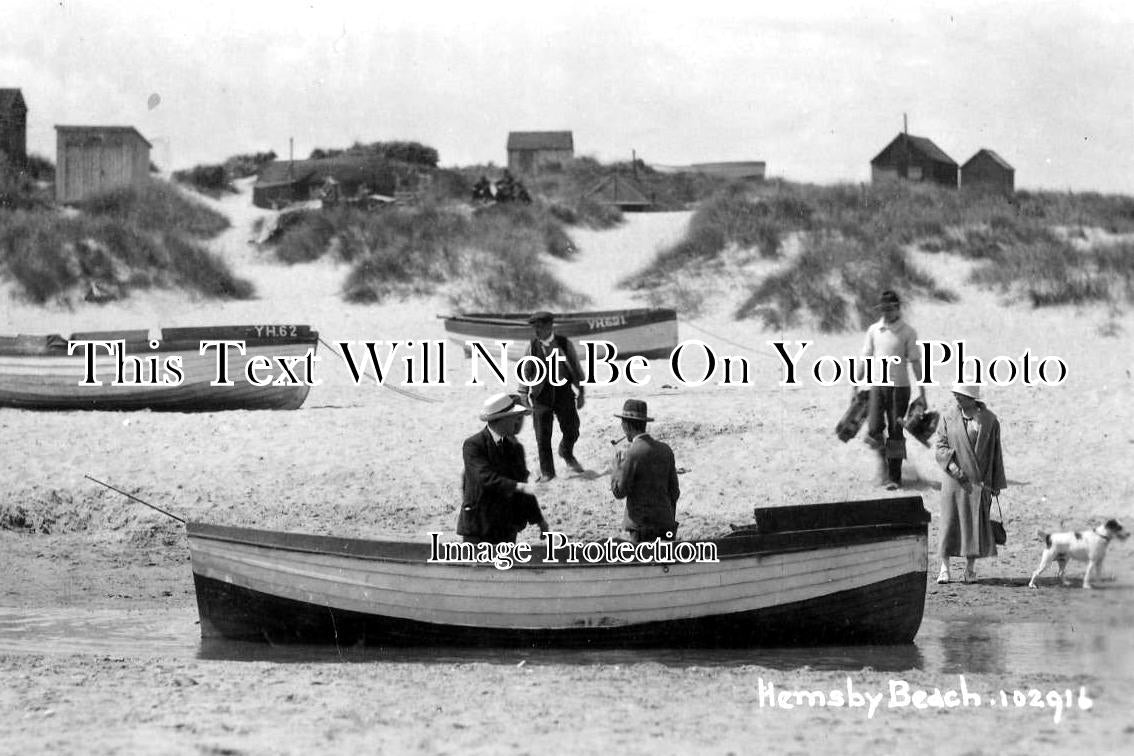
x: 885, y: 658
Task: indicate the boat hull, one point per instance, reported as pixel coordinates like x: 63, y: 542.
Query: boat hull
x: 37, y: 373
x: 886, y: 612
x: 646, y: 332
x: 859, y: 580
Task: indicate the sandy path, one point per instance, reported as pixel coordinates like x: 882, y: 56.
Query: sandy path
x: 606, y: 257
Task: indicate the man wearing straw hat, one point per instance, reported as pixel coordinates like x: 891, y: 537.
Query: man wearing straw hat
x: 550, y: 402
x: 646, y: 476
x: 891, y: 336
x: 497, y: 500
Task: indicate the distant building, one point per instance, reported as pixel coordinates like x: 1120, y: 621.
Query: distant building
x: 987, y: 171
x: 621, y: 192
x: 745, y: 170
x: 93, y: 159
x: 281, y: 182
x: 529, y: 151
x: 914, y: 158
x: 749, y: 171
x: 14, y: 127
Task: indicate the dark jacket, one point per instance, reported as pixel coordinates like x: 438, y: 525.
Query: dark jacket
x: 569, y: 370
x: 491, y: 507
x: 647, y: 479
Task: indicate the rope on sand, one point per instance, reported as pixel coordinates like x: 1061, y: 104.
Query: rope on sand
x: 727, y: 341
x: 396, y: 389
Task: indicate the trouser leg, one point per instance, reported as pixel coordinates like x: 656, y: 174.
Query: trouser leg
x: 568, y: 417
x: 543, y: 419
x: 895, y: 449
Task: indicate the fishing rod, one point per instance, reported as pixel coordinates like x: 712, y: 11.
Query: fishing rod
x: 135, y: 498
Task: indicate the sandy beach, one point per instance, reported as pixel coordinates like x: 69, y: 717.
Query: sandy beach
x: 368, y: 460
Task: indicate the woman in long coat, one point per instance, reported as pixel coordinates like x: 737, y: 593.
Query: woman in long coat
x: 967, y: 448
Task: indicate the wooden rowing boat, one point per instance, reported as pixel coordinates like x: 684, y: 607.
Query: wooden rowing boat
x: 36, y: 372
x: 649, y: 332
x: 846, y: 573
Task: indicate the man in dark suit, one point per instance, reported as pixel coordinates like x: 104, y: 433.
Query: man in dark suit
x: 550, y: 402
x: 646, y: 476
x: 497, y: 500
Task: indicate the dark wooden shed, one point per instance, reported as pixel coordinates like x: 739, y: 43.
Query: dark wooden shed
x: 93, y: 159
x: 914, y: 158
x: 284, y: 181
x: 14, y: 127
x: 530, y: 151
x: 987, y: 171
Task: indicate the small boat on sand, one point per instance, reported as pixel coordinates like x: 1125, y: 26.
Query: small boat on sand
x: 649, y: 332
x: 168, y: 370
x: 836, y: 574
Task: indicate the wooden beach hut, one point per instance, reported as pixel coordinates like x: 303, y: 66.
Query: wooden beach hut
x: 93, y: 159
x: 987, y: 171
x: 14, y: 127
x: 531, y: 151
x: 914, y: 158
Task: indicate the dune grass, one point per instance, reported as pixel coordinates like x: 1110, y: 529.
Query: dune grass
x: 122, y: 241
x: 156, y: 206
x: 855, y: 241
x: 489, y: 258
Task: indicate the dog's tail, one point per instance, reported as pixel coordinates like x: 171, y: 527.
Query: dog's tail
x: 1044, y: 536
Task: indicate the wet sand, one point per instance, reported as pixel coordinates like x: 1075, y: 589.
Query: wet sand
x: 368, y: 460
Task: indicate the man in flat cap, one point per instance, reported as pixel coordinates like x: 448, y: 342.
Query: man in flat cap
x: 550, y: 402
x: 646, y: 476
x: 497, y: 501
x: 891, y: 336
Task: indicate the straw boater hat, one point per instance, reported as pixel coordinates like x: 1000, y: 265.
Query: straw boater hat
x: 634, y: 409
x: 502, y: 405
x: 543, y: 316
x: 971, y: 390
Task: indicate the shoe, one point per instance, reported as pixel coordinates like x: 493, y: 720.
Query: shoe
x: 573, y: 464
x: 545, y: 477
x: 969, y: 576
x: 943, y: 575
x: 892, y: 485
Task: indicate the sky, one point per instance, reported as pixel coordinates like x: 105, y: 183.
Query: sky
x: 813, y: 88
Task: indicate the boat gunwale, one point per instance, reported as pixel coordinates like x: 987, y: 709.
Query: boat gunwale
x: 728, y: 547
x: 664, y: 314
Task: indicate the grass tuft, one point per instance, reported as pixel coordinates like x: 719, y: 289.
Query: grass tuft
x: 121, y: 241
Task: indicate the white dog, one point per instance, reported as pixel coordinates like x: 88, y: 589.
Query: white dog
x: 1085, y: 545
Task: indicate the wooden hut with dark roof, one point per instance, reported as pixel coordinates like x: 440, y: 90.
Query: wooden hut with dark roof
x: 987, y: 171
x: 621, y: 192
x: 914, y: 158
x: 281, y: 182
x: 93, y: 159
x: 14, y: 127
x: 531, y: 151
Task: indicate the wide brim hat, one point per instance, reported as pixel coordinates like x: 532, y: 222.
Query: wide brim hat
x: 542, y: 316
x: 634, y: 409
x: 502, y: 405
x: 971, y: 390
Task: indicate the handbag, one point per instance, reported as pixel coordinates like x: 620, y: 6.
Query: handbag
x: 999, y: 535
